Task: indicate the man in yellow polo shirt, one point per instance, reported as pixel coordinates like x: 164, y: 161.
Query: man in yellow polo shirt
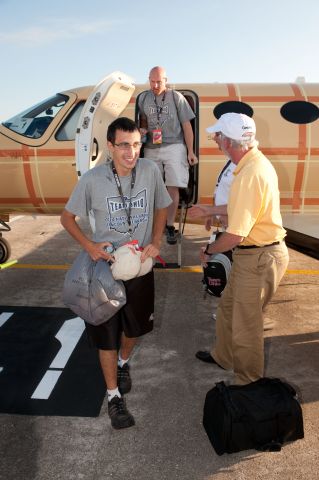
x: 260, y: 258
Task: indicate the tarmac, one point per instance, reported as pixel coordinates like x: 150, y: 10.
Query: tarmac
x: 168, y: 441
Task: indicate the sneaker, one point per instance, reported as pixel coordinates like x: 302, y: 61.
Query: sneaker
x: 171, y: 234
x: 206, y: 357
x: 118, y: 413
x: 124, y: 381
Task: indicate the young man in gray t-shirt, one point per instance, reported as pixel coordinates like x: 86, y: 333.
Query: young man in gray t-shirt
x: 165, y: 119
x: 129, y: 201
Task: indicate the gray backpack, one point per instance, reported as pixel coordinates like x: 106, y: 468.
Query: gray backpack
x: 90, y: 290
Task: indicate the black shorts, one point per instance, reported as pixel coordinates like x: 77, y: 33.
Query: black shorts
x: 134, y: 319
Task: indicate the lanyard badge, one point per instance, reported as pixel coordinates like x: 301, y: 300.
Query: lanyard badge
x: 119, y: 187
x: 157, y: 136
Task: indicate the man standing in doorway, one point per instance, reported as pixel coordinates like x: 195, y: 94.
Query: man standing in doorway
x: 165, y: 117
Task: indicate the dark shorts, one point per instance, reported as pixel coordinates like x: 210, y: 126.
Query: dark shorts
x: 134, y: 319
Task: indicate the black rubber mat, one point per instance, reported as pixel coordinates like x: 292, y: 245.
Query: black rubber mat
x: 46, y: 364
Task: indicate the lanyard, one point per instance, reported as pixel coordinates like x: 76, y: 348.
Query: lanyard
x: 119, y: 187
x: 159, y: 108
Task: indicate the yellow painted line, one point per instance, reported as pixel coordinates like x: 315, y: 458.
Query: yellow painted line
x: 192, y: 269
x: 7, y: 264
x: 302, y: 272
x: 198, y: 269
x: 41, y: 267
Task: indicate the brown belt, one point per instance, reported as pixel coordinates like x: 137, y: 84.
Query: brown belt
x: 258, y: 246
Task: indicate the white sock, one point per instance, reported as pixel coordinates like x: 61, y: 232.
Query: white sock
x: 112, y: 393
x: 122, y: 362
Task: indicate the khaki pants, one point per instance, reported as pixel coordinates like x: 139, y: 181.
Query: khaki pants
x: 254, y: 278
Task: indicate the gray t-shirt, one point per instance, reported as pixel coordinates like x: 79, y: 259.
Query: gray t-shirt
x: 97, y: 193
x: 173, y: 110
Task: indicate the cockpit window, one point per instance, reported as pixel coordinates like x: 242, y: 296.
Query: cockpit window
x: 32, y: 123
x: 68, y: 129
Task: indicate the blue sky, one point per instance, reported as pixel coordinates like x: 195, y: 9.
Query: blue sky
x: 47, y: 46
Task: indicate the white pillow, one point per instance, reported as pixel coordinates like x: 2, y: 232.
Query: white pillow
x: 127, y: 263
x: 146, y: 267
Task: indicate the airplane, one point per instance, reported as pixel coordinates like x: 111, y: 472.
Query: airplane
x: 46, y: 148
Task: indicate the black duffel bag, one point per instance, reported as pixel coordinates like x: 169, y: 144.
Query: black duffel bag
x: 261, y: 415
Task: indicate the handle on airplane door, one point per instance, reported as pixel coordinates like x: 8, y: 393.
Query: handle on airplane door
x: 96, y: 150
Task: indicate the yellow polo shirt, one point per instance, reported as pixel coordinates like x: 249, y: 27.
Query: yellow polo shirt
x: 254, y: 201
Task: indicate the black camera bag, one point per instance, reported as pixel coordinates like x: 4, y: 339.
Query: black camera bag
x: 261, y: 415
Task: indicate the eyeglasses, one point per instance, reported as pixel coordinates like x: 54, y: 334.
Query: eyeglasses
x: 159, y: 82
x: 127, y: 146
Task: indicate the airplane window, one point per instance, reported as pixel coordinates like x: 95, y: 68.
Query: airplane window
x: 32, y: 123
x: 300, y: 112
x: 233, y: 106
x: 68, y: 129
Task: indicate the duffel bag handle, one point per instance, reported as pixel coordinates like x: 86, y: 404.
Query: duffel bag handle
x: 224, y: 392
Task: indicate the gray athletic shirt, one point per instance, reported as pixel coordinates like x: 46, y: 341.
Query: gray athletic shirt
x: 97, y: 193
x: 175, y: 110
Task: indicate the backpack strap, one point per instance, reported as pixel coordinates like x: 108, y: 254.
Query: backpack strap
x: 141, y: 101
x: 174, y: 93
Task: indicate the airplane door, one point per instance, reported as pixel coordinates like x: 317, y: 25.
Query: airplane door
x: 106, y: 102
x: 190, y: 194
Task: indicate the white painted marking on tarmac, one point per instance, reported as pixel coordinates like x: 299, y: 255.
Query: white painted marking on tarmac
x: 68, y: 335
x: 47, y: 384
x: 4, y: 317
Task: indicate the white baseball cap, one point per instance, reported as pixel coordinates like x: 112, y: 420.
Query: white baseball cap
x: 236, y: 126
